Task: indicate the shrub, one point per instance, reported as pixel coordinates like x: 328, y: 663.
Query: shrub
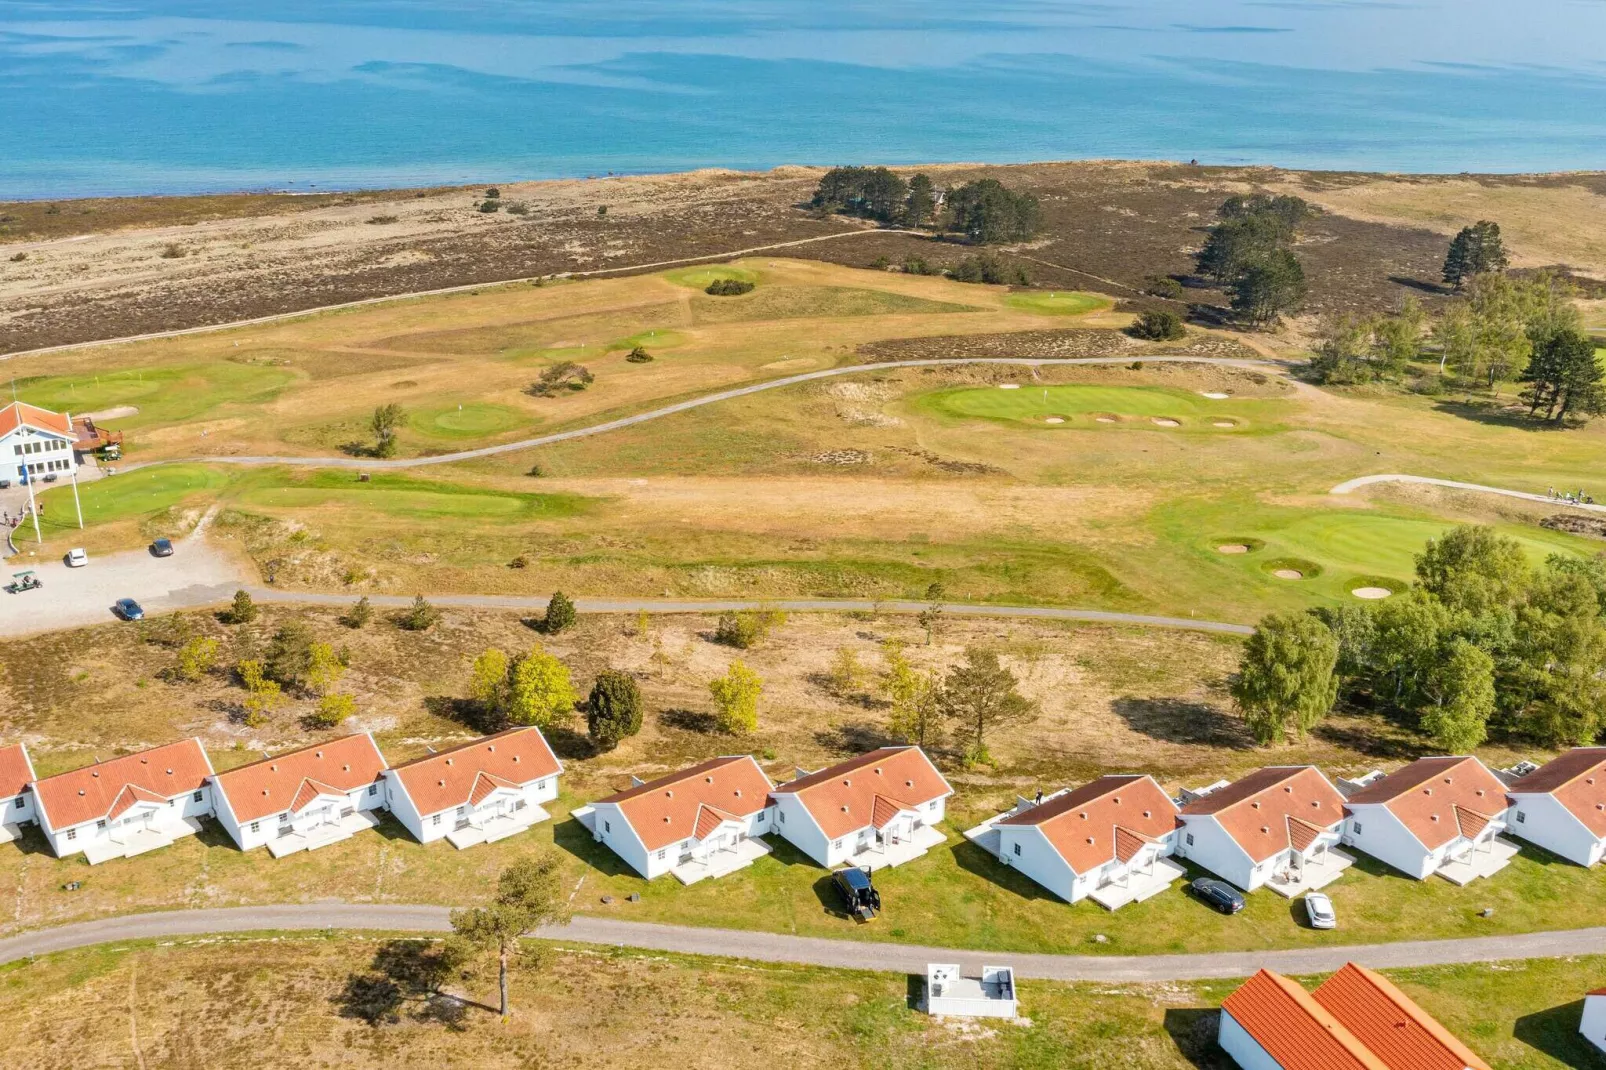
x: 490, y: 206
x: 917, y: 265
x: 1158, y: 325
x: 1135, y: 366
x: 736, y: 699
x: 380, y: 220
x: 602, y: 209
x: 729, y: 287
x: 421, y: 616
x: 242, y: 610
x: 332, y: 710
x: 565, y: 374
x: 172, y: 251
x: 18, y: 258
x: 493, y: 193
x: 196, y: 658
x: 518, y: 208
x: 1163, y: 286
x: 614, y: 709
x: 987, y: 268
x: 359, y: 615
x: 519, y: 562
x: 559, y: 614
x: 639, y: 355
x: 748, y: 627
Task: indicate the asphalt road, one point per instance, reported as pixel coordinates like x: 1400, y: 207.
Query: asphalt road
x: 775, y: 947
x: 1367, y: 481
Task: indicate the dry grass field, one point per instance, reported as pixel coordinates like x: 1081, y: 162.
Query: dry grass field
x: 274, y: 1000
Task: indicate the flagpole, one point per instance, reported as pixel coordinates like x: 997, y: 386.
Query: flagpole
x: 76, y: 503
x: 33, y: 506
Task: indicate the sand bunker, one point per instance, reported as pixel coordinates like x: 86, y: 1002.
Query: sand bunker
x: 1053, y: 419
x: 1232, y: 548
x: 1222, y: 423
x: 1371, y: 593
x: 1215, y: 395
x: 1009, y: 386
x: 1104, y: 419
x: 1166, y: 421
x: 1288, y: 574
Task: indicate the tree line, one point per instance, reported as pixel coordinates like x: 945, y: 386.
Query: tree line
x: 984, y: 211
x: 1249, y: 251
x: 1483, y: 642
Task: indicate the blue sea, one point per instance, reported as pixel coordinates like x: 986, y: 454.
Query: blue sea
x: 171, y: 96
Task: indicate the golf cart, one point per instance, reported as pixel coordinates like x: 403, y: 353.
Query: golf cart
x: 24, y: 581
x: 859, y: 896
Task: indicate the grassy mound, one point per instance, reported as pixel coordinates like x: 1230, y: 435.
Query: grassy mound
x: 1058, y: 303
x: 699, y: 278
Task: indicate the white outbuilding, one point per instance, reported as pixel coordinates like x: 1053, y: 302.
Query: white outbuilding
x: 950, y: 993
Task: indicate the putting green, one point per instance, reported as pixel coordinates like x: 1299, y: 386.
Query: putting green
x: 699, y: 278
x: 1058, y: 303
x: 651, y: 341
x: 471, y: 419
x: 402, y: 498
x: 138, y: 493
x: 163, y: 395
x: 1080, y: 406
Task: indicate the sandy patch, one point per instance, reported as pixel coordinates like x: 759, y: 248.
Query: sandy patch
x: 1053, y: 419
x: 790, y: 362
x: 1105, y: 419
x: 1165, y: 421
x: 1223, y: 423
x: 1232, y: 548
x: 1009, y: 386
x: 1372, y: 594
x: 117, y: 412
x: 1288, y: 574
x: 1214, y: 395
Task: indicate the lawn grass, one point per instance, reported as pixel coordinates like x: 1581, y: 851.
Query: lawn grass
x: 1129, y: 408
x: 281, y: 999
x: 700, y: 278
x: 129, y: 495
x: 1059, y: 303
x: 398, y: 497
x: 163, y: 395
x: 465, y: 420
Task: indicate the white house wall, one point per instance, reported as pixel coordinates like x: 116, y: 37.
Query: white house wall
x: 259, y: 833
x: 797, y: 826
x: 1026, y: 848
x: 1244, y: 1049
x: 17, y: 810
x: 1543, y: 820
x: 431, y: 827
x: 614, y: 832
x: 1211, y: 848
x: 401, y: 805
x: 1385, y: 838
x: 169, y: 820
x: 1593, y: 1023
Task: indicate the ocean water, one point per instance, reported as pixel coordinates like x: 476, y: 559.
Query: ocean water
x: 168, y: 96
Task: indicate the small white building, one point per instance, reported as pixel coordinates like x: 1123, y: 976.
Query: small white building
x: 35, y: 441
x: 1109, y: 840
x: 126, y: 806
x: 992, y: 995
x: 16, y: 801
x: 878, y: 809
x: 1278, y: 827
x: 303, y: 799
x: 1437, y: 815
x: 1561, y: 806
x: 1593, y: 1023
x: 700, y: 822
x: 479, y: 792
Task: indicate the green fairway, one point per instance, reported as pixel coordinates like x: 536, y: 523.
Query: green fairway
x: 651, y: 341
x: 816, y: 302
x: 699, y: 278
x: 163, y: 395
x: 402, y: 498
x: 1104, y: 408
x: 471, y: 419
x: 1057, y: 303
x: 139, y: 493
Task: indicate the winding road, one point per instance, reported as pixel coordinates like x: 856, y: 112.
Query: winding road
x: 1367, y: 481
x: 813, y: 951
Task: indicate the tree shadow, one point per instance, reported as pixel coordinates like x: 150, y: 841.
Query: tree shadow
x: 1356, y: 738
x: 406, y: 978
x: 358, y: 449
x: 1176, y: 720
x: 569, y: 744
x: 465, y: 711
x: 914, y: 992
x: 1493, y: 413
x: 1554, y: 1032
x: 977, y: 860
x: 577, y: 840
x: 855, y: 737
x: 1193, y: 1030
x: 1421, y: 285
x: 698, y: 721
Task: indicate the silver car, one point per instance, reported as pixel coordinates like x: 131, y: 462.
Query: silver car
x: 1319, y: 909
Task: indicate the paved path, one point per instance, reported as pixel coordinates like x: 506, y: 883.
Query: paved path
x: 775, y: 947
x: 1366, y: 481
x: 464, y: 288
x: 681, y: 406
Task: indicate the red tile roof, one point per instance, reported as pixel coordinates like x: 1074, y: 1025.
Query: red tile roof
x: 1301, y: 834
x: 709, y: 819
x: 276, y: 784
x: 1085, y: 827
x: 1578, y: 781
x: 441, y: 781
x: 19, y: 413
x: 1425, y: 794
x: 16, y: 771
x: 1401, y: 1034
x: 1253, y: 810
x: 486, y: 785
x: 88, y: 794
x: 842, y: 798
x: 131, y: 796
x: 668, y: 809
x: 1295, y: 1030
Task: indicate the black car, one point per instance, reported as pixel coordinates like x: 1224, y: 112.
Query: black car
x: 859, y: 896
x: 1219, y: 894
x: 128, y: 609
x: 162, y: 548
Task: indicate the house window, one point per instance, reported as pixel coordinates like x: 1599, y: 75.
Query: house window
x: 836, y: 843
x: 782, y: 815
x: 21, y: 802
x: 1017, y: 849
x: 662, y: 853
x: 373, y: 789
x: 436, y: 820
x: 72, y: 834
x: 932, y: 805
x: 1522, y: 818
x: 607, y: 826
x: 1357, y: 828
x: 100, y: 824
x: 196, y: 796
x: 761, y: 814
x: 1190, y: 839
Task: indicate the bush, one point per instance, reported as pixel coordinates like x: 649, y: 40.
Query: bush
x: 332, y: 710
x: 196, y: 658
x: 747, y: 628
x: 1158, y: 325
x: 421, y: 617
x: 172, y: 251
x: 490, y: 206
x: 519, y: 562
x: 989, y: 269
x: 729, y: 287
x: 242, y: 610
x: 493, y: 193
x: 602, y: 209
x: 359, y: 615
x: 380, y: 220
x: 559, y: 614
x: 518, y: 208
x: 736, y: 699
x: 639, y: 355
x: 18, y: 258
x: 565, y: 374
x: 917, y: 265
x: 614, y: 709
x: 1163, y: 286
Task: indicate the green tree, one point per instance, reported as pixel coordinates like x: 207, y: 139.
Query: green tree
x: 564, y: 375
x: 386, y: 421
x: 1555, y: 676
x: 1474, y: 569
x: 846, y: 673
x: 529, y: 894
x: 559, y: 614
x: 333, y: 710
x: 1285, y: 679
x: 921, y: 202
x: 1397, y: 339
x: 262, y: 695
x: 872, y: 192
x: 1460, y: 692
x: 614, y: 709
x: 1409, y: 633
x: 982, y: 696
x: 1475, y: 250
x: 539, y: 690
x: 420, y: 616
x: 736, y: 697
x: 988, y: 212
x: 917, y: 708
x: 1285, y: 210
x: 1238, y: 242
x: 242, y: 610
x: 196, y: 658
x: 1567, y: 377
x: 290, y: 653
x: 324, y: 669
x: 1268, y: 287
x: 488, y: 682
x: 1342, y: 354
x: 1158, y: 325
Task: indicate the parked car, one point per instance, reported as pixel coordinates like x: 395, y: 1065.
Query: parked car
x: 162, y: 548
x: 76, y: 558
x: 129, y: 609
x: 1319, y: 909
x: 1219, y: 894
x: 50, y: 477
x: 859, y: 896
x: 5, y: 484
